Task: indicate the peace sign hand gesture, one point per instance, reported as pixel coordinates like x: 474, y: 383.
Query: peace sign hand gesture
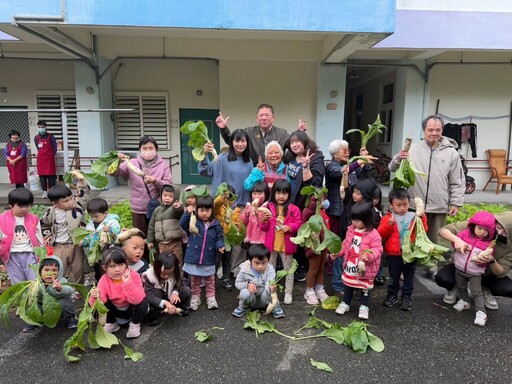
x: 306, y: 160
x: 261, y: 164
x: 221, y: 121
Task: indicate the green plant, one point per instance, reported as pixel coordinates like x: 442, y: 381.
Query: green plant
x: 124, y: 211
x: 38, y: 209
x: 469, y: 210
x: 373, y: 129
x: 198, y: 137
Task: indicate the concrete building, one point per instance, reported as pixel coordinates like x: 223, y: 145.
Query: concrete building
x: 335, y: 64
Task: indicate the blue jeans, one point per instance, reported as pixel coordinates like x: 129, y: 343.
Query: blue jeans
x: 337, y: 269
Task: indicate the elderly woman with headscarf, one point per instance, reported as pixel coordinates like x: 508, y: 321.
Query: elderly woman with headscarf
x: 271, y: 169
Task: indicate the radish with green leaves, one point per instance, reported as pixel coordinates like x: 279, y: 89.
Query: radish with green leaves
x: 198, y: 137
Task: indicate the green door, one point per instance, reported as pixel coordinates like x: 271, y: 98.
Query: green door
x: 189, y: 174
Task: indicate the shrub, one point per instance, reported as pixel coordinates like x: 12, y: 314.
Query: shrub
x: 124, y: 211
x: 469, y: 210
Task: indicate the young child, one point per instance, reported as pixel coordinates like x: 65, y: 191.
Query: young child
x: 253, y: 281
x: 134, y: 248
x: 362, y: 191
x: 189, y: 202
x: 201, y: 253
x: 227, y: 214
x: 164, y: 226
x: 479, y: 234
x: 101, y: 221
x: 164, y: 288
x: 50, y: 272
x: 393, y: 229
x: 362, y: 250
x: 20, y: 234
x: 120, y: 289
x: 252, y: 218
x: 280, y: 227
x: 58, y: 222
x: 315, y: 277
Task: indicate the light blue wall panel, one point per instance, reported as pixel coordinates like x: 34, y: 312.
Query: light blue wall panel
x: 292, y: 15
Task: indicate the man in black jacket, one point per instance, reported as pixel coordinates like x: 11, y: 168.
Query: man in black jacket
x: 261, y: 134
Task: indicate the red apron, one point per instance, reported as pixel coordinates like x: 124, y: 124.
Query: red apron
x: 45, y: 156
x: 18, y: 171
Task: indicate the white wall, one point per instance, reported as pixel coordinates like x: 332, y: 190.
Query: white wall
x: 181, y: 79
x: 483, y: 91
x: 290, y: 87
x: 22, y: 78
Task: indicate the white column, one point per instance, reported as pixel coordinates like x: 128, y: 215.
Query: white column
x: 330, y: 105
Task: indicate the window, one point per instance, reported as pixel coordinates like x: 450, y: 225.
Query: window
x: 386, y: 111
x: 58, y: 100
x: 149, y: 117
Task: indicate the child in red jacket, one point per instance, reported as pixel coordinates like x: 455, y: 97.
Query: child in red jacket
x: 393, y: 228
x: 361, y: 252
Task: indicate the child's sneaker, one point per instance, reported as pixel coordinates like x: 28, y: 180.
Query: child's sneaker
x: 391, y: 299
x: 239, y: 312
x: 406, y: 303
x: 112, y: 327
x: 310, y: 297
x: 342, y: 308
x: 195, y: 302
x: 364, y: 312
x: 71, y: 323
x: 321, y: 294
x: 278, y: 312
x: 288, y: 299
x: 133, y: 331
x: 480, y: 318
x: 461, y: 305
x: 211, y: 303
x: 450, y: 297
x: 29, y: 328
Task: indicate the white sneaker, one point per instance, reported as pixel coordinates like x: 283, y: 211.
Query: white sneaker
x: 461, y: 305
x: 450, y: 297
x: 480, y: 318
x: 489, y: 300
x: 321, y: 294
x: 364, y: 312
x: 342, y: 308
x: 310, y: 297
x: 45, y: 195
x: 133, y: 331
x: 195, y: 302
x: 211, y: 303
x: 112, y: 327
x: 288, y: 299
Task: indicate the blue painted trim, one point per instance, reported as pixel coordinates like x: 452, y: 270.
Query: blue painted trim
x: 373, y: 16
x: 450, y: 30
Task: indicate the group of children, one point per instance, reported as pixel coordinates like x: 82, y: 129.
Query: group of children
x: 189, y: 238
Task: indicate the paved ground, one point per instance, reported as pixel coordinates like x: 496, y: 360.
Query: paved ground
x: 427, y: 345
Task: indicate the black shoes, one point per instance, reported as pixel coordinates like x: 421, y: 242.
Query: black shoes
x: 300, y: 274
x: 226, y: 283
x: 406, y: 303
x: 391, y: 299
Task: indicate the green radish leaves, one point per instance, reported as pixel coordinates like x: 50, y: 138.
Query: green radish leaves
x: 321, y: 366
x: 205, y: 335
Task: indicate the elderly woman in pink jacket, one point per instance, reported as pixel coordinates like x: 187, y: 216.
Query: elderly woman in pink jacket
x: 157, y: 173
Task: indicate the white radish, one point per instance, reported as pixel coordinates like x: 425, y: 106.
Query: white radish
x: 133, y: 168
x: 77, y: 175
x: 273, y: 303
x: 127, y: 233
x: 361, y: 267
x: 407, y: 144
x: 420, y: 206
x: 192, y: 227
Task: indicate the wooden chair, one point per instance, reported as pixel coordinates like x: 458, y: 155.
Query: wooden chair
x: 498, y: 165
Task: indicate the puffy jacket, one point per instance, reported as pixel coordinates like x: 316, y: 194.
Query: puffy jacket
x: 292, y: 219
x: 202, y: 248
x: 219, y: 210
x: 370, y: 240
x: 7, y: 225
x: 66, y: 291
x: 503, y: 247
x: 391, y: 235
x: 112, y: 220
x: 165, y: 222
x: 138, y: 195
x: 253, y: 224
x: 444, y: 184
x: 463, y: 260
x: 262, y: 281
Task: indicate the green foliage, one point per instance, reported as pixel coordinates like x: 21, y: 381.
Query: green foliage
x: 423, y: 250
x: 94, y: 179
x: 101, y: 166
x: 373, y: 129
x: 321, y: 366
x: 405, y: 175
x: 198, y: 137
x: 331, y: 302
x: 124, y: 211
x: 469, y: 210
x: 38, y: 209
x: 205, y: 335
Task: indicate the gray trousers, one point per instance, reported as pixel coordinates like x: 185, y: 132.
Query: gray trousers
x: 253, y: 300
x: 475, y: 284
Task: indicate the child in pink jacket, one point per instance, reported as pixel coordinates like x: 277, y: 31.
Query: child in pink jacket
x: 361, y: 252
x: 280, y: 227
x: 252, y: 218
x: 122, y: 292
